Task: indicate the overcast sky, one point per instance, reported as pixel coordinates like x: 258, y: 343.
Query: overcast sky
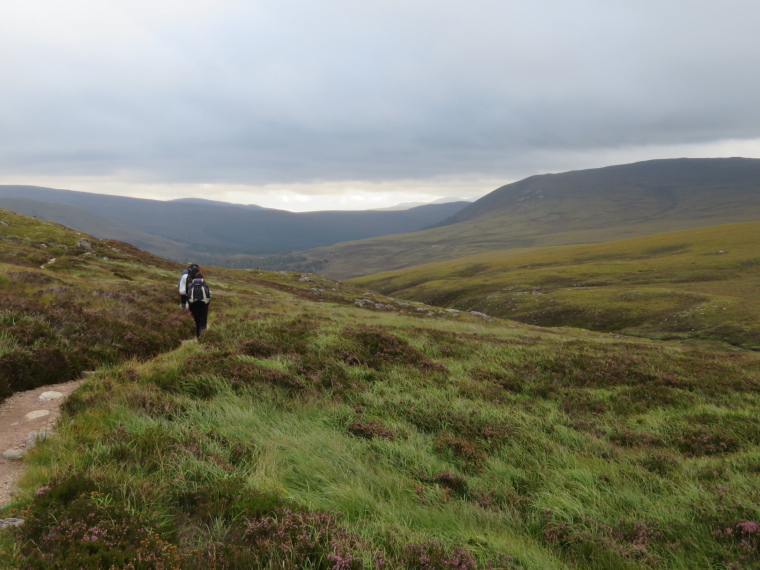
x: 333, y: 104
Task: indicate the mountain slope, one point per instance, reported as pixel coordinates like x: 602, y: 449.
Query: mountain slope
x: 574, y: 207
x: 209, y: 232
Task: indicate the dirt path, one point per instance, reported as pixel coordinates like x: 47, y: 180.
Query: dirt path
x: 32, y: 412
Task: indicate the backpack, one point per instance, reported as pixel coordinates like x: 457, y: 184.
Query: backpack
x: 192, y: 271
x: 198, y: 292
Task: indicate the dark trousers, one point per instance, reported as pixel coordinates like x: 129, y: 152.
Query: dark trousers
x: 183, y: 301
x: 199, y: 310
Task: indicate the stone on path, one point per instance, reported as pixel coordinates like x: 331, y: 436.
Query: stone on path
x: 33, y: 437
x: 47, y: 396
x: 14, y: 453
x: 37, y: 414
x: 7, y: 523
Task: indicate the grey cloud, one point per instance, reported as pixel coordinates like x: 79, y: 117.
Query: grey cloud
x: 297, y: 91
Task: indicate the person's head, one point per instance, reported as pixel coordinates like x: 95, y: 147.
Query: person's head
x: 199, y: 275
x: 184, y: 272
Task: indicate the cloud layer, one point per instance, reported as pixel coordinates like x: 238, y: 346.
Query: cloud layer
x: 261, y: 93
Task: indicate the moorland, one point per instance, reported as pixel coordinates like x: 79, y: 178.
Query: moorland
x: 585, y: 206
x: 691, y: 284
x: 318, y: 424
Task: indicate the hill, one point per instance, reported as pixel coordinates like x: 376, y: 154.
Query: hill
x: 212, y: 232
x: 699, y: 283
x: 318, y: 425
x: 83, y: 220
x: 574, y: 207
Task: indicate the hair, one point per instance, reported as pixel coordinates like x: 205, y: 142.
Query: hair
x: 199, y: 275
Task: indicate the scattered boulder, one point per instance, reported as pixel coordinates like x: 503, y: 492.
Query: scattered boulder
x: 2, y: 223
x: 84, y: 243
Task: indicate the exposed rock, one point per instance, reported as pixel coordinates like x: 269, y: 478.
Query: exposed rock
x: 47, y: 396
x: 7, y: 523
x: 33, y: 437
x: 304, y: 278
x: 480, y: 315
x: 84, y: 243
x: 37, y: 414
x: 14, y: 454
x: 2, y: 223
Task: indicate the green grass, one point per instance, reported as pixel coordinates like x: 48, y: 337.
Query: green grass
x: 689, y: 284
x: 306, y: 431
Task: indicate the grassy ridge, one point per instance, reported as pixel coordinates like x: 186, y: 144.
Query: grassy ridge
x: 320, y: 426
x: 689, y: 284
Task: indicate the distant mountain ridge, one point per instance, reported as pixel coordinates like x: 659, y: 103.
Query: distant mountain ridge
x: 205, y: 231
x: 663, y: 182
x: 582, y: 206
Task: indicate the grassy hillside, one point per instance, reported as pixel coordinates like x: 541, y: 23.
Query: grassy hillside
x: 317, y: 425
x: 79, y: 218
x: 691, y: 284
x: 86, y: 308
x: 214, y: 232
x: 574, y: 207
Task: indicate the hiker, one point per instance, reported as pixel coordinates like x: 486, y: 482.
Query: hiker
x: 182, y: 287
x: 198, y: 297
x: 187, y: 277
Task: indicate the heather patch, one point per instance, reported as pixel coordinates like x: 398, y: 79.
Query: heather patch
x: 370, y: 429
x: 583, y: 403
x: 635, y: 438
x: 585, y: 539
x: 377, y: 348
x: 701, y: 441
x: 71, y: 523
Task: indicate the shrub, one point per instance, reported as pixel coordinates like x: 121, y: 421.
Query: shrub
x: 286, y: 539
x: 259, y: 348
x: 700, y: 441
x: 370, y: 429
x: 377, y: 348
x: 633, y: 438
x: 587, y: 540
x: 451, y: 481
x: 71, y: 525
x: 437, y: 555
x: 25, y: 369
x: 470, y: 453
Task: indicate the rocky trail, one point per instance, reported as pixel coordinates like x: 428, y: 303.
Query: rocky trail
x: 26, y: 417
